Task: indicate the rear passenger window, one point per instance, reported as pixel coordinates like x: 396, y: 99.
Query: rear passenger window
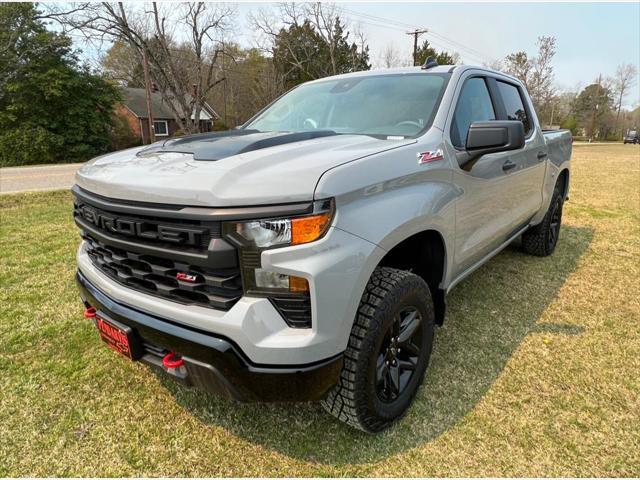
x: 474, y: 105
x: 513, y: 104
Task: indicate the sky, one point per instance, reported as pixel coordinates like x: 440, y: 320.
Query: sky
x: 591, y: 38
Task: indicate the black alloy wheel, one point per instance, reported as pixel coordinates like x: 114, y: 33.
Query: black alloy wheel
x: 398, y: 355
x: 554, y: 225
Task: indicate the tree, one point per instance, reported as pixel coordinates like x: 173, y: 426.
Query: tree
x: 536, y: 73
x: 519, y: 65
x: 443, y: 58
x: 51, y: 107
x: 593, y: 108
x: 391, y: 57
x: 123, y: 65
x: 310, y: 41
x: 251, y: 83
x: 186, y: 71
x: 624, y: 79
x: 563, y: 111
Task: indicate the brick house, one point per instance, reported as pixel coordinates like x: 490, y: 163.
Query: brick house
x: 134, y: 109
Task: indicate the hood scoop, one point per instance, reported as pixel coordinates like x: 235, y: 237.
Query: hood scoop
x: 219, y: 145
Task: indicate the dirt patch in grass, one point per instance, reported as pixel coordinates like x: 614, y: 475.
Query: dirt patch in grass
x: 536, y: 371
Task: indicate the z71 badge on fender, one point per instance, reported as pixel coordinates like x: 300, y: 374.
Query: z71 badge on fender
x: 431, y: 156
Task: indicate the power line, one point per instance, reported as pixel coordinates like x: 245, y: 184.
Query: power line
x: 469, y: 51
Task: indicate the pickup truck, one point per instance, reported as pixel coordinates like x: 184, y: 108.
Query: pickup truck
x: 631, y: 137
x: 307, y: 255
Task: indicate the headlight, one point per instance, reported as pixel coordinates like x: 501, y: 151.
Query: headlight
x: 266, y: 233
x: 289, y: 294
x: 287, y: 231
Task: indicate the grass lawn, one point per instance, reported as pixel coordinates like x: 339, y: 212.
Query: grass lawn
x: 536, y: 371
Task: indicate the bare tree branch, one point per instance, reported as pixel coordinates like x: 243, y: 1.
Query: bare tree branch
x: 184, y: 71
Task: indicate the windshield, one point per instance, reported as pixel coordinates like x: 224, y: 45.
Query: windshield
x: 382, y: 105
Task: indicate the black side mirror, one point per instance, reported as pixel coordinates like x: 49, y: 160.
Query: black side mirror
x: 494, y: 136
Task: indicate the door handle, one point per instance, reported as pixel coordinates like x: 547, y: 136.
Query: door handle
x: 542, y: 155
x: 508, y: 165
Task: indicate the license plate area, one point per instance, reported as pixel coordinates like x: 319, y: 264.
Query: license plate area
x: 118, y: 337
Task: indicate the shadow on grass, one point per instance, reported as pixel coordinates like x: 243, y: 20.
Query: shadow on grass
x: 489, y: 315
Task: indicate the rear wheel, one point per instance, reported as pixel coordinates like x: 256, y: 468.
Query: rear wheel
x: 388, y: 351
x: 541, y: 240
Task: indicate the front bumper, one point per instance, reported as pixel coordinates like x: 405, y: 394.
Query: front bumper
x: 337, y: 268
x: 214, y: 363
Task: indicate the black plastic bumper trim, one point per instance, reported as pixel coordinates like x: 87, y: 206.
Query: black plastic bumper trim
x: 214, y: 363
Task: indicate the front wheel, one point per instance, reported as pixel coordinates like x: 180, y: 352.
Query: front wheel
x: 388, y: 351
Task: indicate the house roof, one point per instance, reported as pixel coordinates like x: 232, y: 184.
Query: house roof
x: 135, y: 100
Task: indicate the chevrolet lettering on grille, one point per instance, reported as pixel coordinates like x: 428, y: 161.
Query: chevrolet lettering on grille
x: 141, y: 228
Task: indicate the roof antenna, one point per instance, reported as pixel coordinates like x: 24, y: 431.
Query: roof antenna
x: 430, y: 63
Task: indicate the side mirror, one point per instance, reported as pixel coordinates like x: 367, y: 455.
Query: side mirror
x: 494, y: 136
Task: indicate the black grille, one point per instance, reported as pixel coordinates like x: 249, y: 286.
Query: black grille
x: 215, y: 288
x: 177, y: 234
x: 296, y: 310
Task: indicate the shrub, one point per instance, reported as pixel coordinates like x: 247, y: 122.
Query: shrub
x: 121, y: 135
x: 28, y: 146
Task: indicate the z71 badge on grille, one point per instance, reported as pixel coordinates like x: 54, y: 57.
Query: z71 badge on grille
x: 186, y: 277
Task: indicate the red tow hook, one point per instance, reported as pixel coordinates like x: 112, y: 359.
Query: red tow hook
x: 171, y: 360
x: 90, y: 312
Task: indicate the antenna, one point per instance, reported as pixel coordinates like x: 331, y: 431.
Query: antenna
x: 430, y: 63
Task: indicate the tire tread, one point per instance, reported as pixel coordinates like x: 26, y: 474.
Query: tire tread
x: 344, y: 401
x: 534, y: 240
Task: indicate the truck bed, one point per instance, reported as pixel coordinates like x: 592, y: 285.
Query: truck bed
x: 559, y: 143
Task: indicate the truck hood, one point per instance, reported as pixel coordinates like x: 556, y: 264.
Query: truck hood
x: 248, y: 168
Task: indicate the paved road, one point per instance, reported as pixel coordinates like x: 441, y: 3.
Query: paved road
x: 28, y: 179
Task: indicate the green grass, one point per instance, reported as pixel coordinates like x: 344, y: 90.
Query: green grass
x: 536, y: 371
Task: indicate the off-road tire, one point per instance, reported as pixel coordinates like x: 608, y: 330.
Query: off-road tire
x: 540, y: 239
x: 354, y: 400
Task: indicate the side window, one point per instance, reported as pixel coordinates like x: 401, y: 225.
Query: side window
x: 514, y: 105
x: 474, y: 105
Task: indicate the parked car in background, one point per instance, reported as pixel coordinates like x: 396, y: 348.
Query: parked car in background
x: 632, y: 137
x: 308, y: 254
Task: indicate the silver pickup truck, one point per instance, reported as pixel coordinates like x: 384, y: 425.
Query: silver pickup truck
x: 307, y: 255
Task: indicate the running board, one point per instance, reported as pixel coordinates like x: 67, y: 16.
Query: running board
x: 488, y: 257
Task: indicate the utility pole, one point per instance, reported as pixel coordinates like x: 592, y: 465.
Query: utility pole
x: 147, y: 88
x: 416, y: 33
x: 595, y: 108
x: 224, y: 87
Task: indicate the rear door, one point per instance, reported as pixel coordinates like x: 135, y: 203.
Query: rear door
x: 527, y: 175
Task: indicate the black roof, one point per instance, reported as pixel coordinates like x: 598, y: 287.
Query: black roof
x: 136, y: 101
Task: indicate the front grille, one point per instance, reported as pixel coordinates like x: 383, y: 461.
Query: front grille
x: 176, y: 234
x: 180, y: 253
x: 214, y: 288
